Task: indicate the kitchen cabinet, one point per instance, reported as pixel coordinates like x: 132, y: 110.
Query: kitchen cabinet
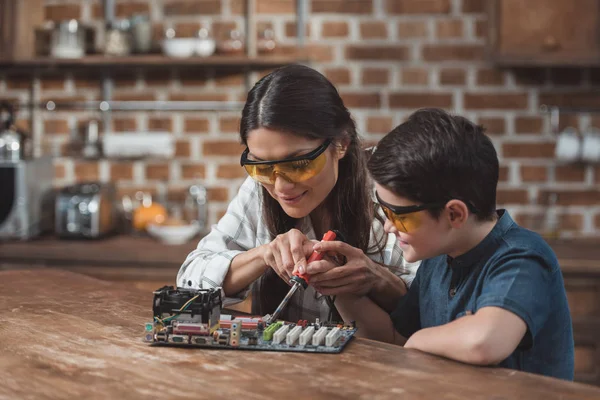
x: 544, y: 32
x: 18, y: 20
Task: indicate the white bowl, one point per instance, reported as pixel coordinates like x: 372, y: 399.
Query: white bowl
x: 205, y: 47
x: 173, y: 234
x: 179, y: 47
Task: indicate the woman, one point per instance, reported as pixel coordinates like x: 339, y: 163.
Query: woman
x: 307, y: 175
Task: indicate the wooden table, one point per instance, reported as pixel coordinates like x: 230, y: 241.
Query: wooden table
x: 65, y: 335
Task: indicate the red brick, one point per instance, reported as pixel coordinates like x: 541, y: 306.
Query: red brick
x: 412, y: 29
x: 493, y: 126
x: 187, y: 29
x: 338, y: 76
x: 473, y: 6
x: 56, y: 127
x: 375, y: 76
x: 394, y: 53
x: 193, y: 171
x: 198, y: 97
x: 568, y: 120
x: 511, y: 196
x: 55, y: 82
x: 529, y: 76
x: 414, y: 76
x: 133, y: 97
x: 86, y: 171
x: 570, y: 222
x: 88, y: 82
x: 121, y: 171
x: 124, y: 124
x: 231, y: 171
x: 218, y: 194
x: 503, y: 174
x: 132, y: 190
x: 420, y: 100
x: 571, y: 99
x: 226, y: 78
x: 23, y: 124
x: 122, y: 10
x: 62, y: 12
x: 379, y: 124
x: 157, y: 171
x: 528, y: 150
x: 569, y: 173
x: 453, y: 76
x: 373, y: 30
x: 275, y: 6
x: 490, y: 77
x: 183, y: 149
x: 160, y: 124
x: 453, y: 52
x: 318, y: 52
x: 503, y: 101
x: 571, y: 197
x: 196, y: 125
x: 69, y: 99
x: 124, y: 80
x: 566, y: 76
x: 529, y: 125
x: 361, y: 100
x: 597, y: 221
x: 449, y: 28
x: 334, y: 29
x: 229, y: 124
x: 418, y: 7
x: 222, y: 148
x: 194, y: 77
x: 342, y: 6
x: 197, y: 7
x: 18, y: 81
x: 221, y: 29
x: 534, y: 173
x: 481, y: 28
x: 291, y: 30
x: 59, y: 170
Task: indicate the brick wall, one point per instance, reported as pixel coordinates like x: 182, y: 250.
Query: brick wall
x: 387, y: 57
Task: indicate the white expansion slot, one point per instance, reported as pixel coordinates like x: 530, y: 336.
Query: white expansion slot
x: 293, y: 335
x: 332, y: 336
x: 318, y: 338
x: 280, y: 334
x: 306, y: 336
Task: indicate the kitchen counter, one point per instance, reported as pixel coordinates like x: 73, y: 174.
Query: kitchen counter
x: 577, y: 256
x: 79, y: 337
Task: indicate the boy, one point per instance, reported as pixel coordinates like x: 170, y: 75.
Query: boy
x: 488, y: 291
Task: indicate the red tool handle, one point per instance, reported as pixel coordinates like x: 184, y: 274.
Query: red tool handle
x: 315, y: 256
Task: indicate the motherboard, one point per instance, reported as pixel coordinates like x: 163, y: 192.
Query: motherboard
x: 192, y: 318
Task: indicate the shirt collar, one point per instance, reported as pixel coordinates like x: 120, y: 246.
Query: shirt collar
x: 487, y: 246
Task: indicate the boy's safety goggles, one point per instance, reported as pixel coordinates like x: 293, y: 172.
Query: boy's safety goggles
x: 406, y: 219
x: 293, y: 169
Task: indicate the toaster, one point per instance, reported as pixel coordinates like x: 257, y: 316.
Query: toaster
x: 85, y: 210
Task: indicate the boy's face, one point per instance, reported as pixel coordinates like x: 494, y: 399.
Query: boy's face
x: 419, y: 234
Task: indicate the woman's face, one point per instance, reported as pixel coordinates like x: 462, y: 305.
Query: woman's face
x: 298, y: 199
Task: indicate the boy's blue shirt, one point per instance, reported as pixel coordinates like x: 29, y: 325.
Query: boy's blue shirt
x: 512, y: 268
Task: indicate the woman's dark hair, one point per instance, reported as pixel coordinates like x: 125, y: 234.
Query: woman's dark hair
x: 299, y: 100
x: 435, y: 157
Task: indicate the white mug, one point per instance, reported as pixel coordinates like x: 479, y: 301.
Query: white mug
x: 568, y: 145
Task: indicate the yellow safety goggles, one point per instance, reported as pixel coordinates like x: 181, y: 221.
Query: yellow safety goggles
x: 406, y: 219
x: 293, y: 169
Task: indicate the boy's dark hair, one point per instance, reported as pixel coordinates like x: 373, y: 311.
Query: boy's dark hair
x: 435, y: 157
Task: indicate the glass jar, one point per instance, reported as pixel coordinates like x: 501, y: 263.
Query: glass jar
x: 118, y: 38
x: 266, y: 41
x: 68, y: 40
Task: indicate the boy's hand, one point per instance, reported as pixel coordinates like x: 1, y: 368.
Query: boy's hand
x: 358, y: 275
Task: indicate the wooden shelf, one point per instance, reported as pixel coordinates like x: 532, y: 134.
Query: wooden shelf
x: 151, y: 61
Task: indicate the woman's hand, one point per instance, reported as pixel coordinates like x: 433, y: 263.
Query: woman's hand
x: 287, y: 250
x: 358, y: 275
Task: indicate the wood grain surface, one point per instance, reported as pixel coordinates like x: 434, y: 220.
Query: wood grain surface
x: 69, y: 336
